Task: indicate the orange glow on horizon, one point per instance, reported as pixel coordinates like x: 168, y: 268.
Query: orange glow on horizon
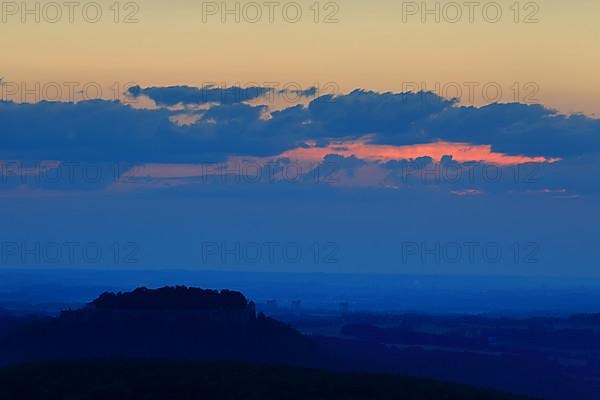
x: 362, y: 149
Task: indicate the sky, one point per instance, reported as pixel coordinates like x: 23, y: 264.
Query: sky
x: 381, y: 45
x: 370, y: 137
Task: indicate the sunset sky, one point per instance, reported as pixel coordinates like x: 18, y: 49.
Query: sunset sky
x: 370, y: 47
x: 333, y: 126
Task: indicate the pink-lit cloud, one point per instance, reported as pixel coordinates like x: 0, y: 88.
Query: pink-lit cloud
x: 370, y: 174
x: 362, y: 149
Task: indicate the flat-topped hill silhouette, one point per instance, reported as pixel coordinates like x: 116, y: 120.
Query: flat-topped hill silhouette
x: 210, y: 308
x: 172, y: 298
x: 172, y: 322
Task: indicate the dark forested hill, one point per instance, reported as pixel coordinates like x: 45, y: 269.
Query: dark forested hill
x: 160, y: 380
x: 177, y: 323
x: 172, y: 298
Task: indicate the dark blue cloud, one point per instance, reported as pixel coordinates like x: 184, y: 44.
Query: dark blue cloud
x: 95, y: 130
x: 308, y: 92
x: 104, y: 130
x: 396, y: 115
x: 518, y: 129
x: 173, y: 95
